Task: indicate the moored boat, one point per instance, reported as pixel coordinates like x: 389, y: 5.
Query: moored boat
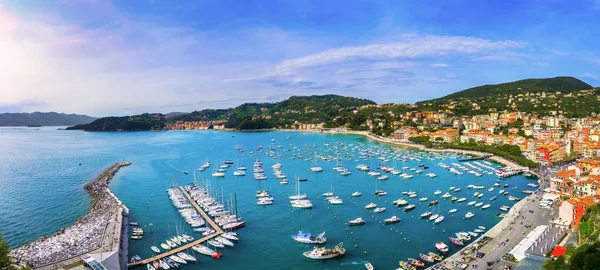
x: 308, y: 238
x: 324, y: 253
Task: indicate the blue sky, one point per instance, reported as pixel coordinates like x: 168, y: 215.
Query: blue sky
x: 128, y: 57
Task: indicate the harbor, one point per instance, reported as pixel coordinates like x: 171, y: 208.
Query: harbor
x: 339, y: 175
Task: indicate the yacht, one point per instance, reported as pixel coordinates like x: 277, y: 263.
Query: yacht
x: 358, y: 221
x: 379, y: 209
x: 437, y: 192
x: 446, y: 195
x: 370, y: 206
x: 307, y: 238
x: 469, y: 215
x: 461, y: 199
x: 426, y: 214
x: 423, y: 199
x: 433, y: 217
x: 356, y: 194
x: 302, y: 204
x: 391, y: 220
x: 401, y: 202
x: 218, y: 174
x: 409, y: 207
x: 452, y: 211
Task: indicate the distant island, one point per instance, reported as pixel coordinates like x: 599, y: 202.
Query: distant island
x: 38, y: 119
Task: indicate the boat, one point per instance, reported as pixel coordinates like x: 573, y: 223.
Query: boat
x: 471, y: 203
x: 370, y: 206
x: 441, y: 247
x: 165, y: 246
x: 493, y: 198
x: 284, y: 182
x: 433, y: 217
x: 461, y: 200
x: 356, y: 194
x: 426, y: 257
x: 486, y: 206
x: 438, y: 220
x: 401, y: 202
x: 204, y: 250
x: 437, y: 192
x: 504, y: 208
x: 456, y: 241
x: 323, y: 253
x: 307, y: 238
x: 369, y: 266
x: 224, y: 241
x: 163, y: 264
x: 513, y: 198
x: 423, y: 199
x: 426, y: 214
x: 416, y: 263
x: 391, y: 220
x: 156, y: 265
x: 380, y: 193
x: 305, y: 204
x: 406, y: 266
x: 215, y: 243
x: 358, y: 221
x: 379, y: 209
x: 469, y: 215
x: 186, y: 257
x: 171, y: 244
x: 433, y: 202
x: 136, y: 237
x: 409, y: 207
x: 446, y: 195
x: 478, y: 204
x: 155, y: 249
x: 177, y: 259
x: 435, y: 256
x: 452, y: 211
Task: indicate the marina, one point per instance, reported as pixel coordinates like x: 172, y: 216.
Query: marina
x: 153, y: 210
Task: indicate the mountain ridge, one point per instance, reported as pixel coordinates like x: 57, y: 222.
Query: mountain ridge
x: 43, y: 119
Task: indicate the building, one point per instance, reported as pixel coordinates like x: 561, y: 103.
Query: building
x: 573, y: 209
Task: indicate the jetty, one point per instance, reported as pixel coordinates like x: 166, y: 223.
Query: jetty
x: 102, y: 231
x: 218, y: 231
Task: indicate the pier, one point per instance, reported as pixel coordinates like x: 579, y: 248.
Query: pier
x: 218, y: 231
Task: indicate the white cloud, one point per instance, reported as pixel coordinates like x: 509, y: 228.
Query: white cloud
x: 590, y: 76
x: 440, y: 65
x: 410, y: 47
x: 593, y: 60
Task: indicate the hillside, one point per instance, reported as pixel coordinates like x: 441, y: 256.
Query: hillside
x: 43, y: 119
x: 563, y: 84
x: 304, y: 109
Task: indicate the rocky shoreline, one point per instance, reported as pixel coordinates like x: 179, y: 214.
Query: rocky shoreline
x: 85, y: 235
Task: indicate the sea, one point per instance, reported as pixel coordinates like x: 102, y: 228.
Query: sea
x: 43, y: 170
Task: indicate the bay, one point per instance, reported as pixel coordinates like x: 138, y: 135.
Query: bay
x: 41, y: 191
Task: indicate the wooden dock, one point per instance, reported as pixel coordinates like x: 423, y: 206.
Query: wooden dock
x: 218, y: 232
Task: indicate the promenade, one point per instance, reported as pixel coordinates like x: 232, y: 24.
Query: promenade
x: 523, y: 217
x: 101, y: 230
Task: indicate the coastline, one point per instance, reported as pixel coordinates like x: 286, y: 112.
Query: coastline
x: 371, y: 136
x: 102, y: 229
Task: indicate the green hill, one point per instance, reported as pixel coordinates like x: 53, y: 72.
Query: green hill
x: 563, y: 84
x: 304, y: 109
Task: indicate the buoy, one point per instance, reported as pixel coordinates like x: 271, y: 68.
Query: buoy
x: 365, y: 252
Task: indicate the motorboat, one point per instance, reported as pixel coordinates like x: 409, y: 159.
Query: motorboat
x: 471, y: 203
x: 426, y: 257
x: 456, y: 241
x: 409, y: 207
x: 155, y: 249
x: 423, y: 199
x: 435, y: 256
x: 358, y: 221
x: 469, y: 215
x: 323, y: 253
x: 493, y: 198
x: 486, y: 206
x: 434, y: 216
x: 370, y: 206
x: 406, y: 266
x: 446, y: 195
x: 463, y: 236
x: 441, y: 247
x: 301, y: 204
x: 426, y: 214
x: 284, y: 182
x: 416, y: 263
x: 165, y: 246
x: 461, y: 200
x: 437, y: 192
x: 380, y: 193
x: 438, y: 220
x: 308, y: 238
x: 452, y: 211
x: 356, y: 194
x: 401, y: 202
x: 391, y: 220
x: 478, y: 204
x: 379, y: 209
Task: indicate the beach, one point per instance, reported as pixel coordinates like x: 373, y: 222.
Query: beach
x: 99, y: 229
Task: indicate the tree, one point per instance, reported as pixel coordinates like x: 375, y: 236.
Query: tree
x: 5, y: 260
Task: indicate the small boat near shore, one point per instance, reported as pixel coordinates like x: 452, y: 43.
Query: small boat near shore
x: 357, y: 222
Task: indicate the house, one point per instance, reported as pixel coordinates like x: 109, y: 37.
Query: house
x: 571, y: 210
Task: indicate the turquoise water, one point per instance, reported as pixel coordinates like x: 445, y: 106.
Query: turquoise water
x: 41, y: 191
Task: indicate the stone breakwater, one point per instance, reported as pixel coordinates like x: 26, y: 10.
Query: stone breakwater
x: 85, y: 235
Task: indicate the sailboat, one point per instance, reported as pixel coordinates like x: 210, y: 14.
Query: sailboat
x: 300, y: 200
x: 316, y: 168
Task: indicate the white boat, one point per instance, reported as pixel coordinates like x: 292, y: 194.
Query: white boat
x: 370, y: 206
x: 215, y: 243
x: 301, y: 204
x: 461, y: 199
x: 163, y: 264
x: 433, y: 217
x: 155, y: 249
x: 446, y: 195
x: 358, y: 221
x: 224, y: 241
x: 307, y: 238
x: 177, y: 259
x: 323, y: 253
x: 437, y: 192
x: 426, y: 214
x: 264, y: 202
x: 485, y: 206
x: 478, y: 204
x: 439, y: 219
x: 452, y: 211
x: 379, y: 209
x: 423, y: 199
x: 204, y: 250
x: 218, y: 174
x: 469, y: 215
x: 391, y: 220
x: 356, y: 194
x: 471, y: 203
x: 239, y: 173
x: 230, y: 236
x: 165, y: 246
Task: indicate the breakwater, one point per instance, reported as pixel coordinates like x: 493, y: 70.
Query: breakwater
x: 100, y: 230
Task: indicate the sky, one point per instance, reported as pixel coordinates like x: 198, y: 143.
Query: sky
x: 128, y: 57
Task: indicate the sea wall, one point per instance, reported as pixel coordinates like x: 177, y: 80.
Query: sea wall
x: 103, y: 229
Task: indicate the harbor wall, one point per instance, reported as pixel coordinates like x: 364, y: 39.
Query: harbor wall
x: 113, y: 236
